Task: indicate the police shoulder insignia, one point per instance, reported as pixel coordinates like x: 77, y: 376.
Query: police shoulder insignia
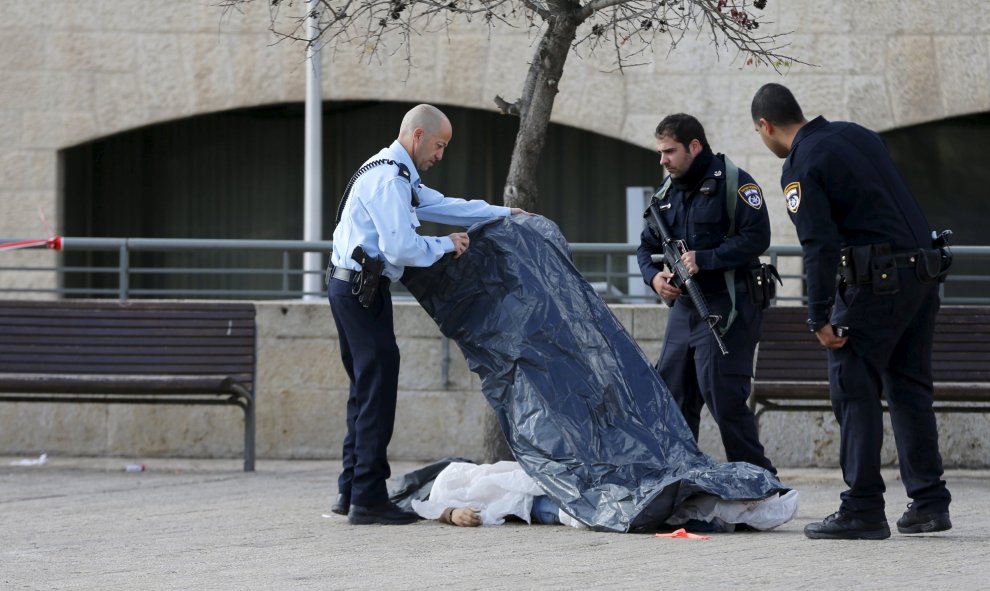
x: 792, y: 194
x: 750, y: 193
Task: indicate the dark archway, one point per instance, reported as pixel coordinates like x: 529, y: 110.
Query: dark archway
x: 942, y: 163
x: 239, y: 174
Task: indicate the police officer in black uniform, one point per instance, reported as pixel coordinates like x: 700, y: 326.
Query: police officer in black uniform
x: 854, y: 213
x: 691, y: 363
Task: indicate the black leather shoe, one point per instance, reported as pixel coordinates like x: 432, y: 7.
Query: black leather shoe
x: 842, y: 526
x: 913, y: 522
x: 384, y: 514
x: 341, y: 506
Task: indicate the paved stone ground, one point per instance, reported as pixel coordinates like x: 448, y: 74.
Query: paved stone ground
x: 84, y: 523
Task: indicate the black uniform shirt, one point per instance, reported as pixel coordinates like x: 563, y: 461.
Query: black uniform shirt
x: 842, y: 189
x: 698, y: 216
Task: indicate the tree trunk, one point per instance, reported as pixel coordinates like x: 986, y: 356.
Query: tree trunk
x: 496, y: 445
x: 536, y: 104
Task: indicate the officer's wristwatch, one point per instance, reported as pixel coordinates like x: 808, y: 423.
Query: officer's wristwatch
x: 816, y: 325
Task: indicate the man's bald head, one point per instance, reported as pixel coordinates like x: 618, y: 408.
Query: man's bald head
x: 426, y: 117
x: 425, y: 133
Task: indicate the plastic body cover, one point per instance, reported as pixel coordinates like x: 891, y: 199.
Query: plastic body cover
x: 584, y: 412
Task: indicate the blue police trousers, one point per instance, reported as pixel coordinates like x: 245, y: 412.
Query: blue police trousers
x: 371, y: 358
x: 889, y: 354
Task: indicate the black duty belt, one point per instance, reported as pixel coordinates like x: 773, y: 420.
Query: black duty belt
x: 859, y: 265
x: 343, y: 274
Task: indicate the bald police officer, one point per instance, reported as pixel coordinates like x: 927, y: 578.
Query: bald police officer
x: 854, y: 214
x: 380, y: 214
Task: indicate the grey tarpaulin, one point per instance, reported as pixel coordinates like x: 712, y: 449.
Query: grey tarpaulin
x: 584, y: 412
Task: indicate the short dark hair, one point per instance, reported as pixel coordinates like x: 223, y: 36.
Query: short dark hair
x: 775, y: 103
x: 682, y: 128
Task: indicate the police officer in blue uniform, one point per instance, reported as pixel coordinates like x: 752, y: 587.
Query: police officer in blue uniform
x: 691, y: 364
x: 854, y: 214
x: 380, y: 213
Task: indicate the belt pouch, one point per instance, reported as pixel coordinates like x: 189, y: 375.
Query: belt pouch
x: 756, y: 281
x: 860, y: 256
x: 883, y: 270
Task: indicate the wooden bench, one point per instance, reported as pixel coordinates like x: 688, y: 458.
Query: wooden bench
x: 136, y: 353
x: 792, y: 368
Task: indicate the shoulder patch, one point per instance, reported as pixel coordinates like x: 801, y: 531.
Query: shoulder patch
x: 792, y: 194
x: 750, y: 193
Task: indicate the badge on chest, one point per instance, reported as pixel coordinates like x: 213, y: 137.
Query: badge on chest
x: 708, y: 187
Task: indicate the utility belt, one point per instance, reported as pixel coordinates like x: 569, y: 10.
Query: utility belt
x: 364, y: 283
x: 876, y: 265
x: 760, y: 283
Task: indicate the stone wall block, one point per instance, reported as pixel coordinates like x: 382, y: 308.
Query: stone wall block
x: 911, y: 79
x: 174, y: 430
x: 307, y: 423
x: 461, y: 62
x: 433, y: 425
x: 868, y: 102
x: 506, y: 68
x: 211, y: 62
x: 21, y: 50
x: 411, y: 320
x: 302, y: 362
x: 165, y: 79
x: 58, y: 129
x: 650, y: 322
x: 120, y: 102
x: 27, y: 170
x: 962, y: 66
x: 75, y: 51
x: 295, y: 319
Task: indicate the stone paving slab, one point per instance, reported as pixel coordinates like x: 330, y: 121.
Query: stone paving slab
x: 85, y: 523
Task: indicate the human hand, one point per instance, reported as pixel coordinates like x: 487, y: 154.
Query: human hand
x: 690, y: 262
x: 518, y: 210
x: 465, y: 517
x: 826, y: 336
x: 661, y: 285
x: 461, y: 242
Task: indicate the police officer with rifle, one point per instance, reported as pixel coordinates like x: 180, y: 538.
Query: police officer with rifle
x: 708, y: 223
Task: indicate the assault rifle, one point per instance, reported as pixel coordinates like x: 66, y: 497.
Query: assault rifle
x: 672, y: 251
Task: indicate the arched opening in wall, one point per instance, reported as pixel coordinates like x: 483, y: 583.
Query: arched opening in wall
x: 239, y: 175
x: 942, y: 163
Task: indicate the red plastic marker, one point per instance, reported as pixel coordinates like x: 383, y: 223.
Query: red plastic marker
x: 683, y: 533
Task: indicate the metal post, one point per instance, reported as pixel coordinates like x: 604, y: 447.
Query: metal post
x: 313, y: 211
x: 637, y: 198
x: 123, y: 271
x: 285, y: 272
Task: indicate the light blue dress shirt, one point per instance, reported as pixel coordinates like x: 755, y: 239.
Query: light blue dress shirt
x: 379, y: 216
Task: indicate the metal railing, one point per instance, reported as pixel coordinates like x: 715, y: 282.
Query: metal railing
x: 274, y: 270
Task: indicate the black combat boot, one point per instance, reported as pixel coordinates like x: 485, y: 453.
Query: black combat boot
x: 913, y: 522
x: 844, y: 526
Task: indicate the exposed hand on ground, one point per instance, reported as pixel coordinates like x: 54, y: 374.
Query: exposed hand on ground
x: 466, y: 517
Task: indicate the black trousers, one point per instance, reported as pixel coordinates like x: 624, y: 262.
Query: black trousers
x: 698, y: 374
x: 889, y: 354
x: 371, y: 358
